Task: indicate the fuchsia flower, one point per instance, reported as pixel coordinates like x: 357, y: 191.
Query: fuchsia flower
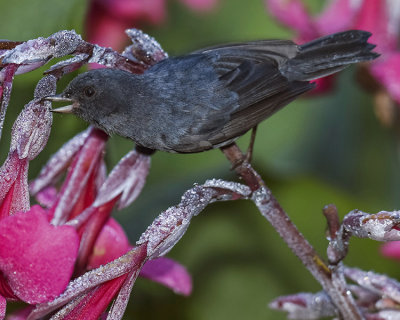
x: 43, y: 248
x: 108, y: 19
x: 36, y: 258
x: 381, y: 18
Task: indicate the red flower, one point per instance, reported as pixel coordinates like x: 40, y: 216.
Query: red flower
x: 381, y: 18
x: 108, y: 19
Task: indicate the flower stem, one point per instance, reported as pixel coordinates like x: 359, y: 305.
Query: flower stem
x: 329, y: 278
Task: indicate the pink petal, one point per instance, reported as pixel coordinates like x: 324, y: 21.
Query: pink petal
x: 110, y: 244
x: 36, y: 257
x: 89, y: 232
x: 14, y: 195
x: 108, y: 32
x: 373, y: 16
x: 126, y: 180
x: 391, y: 249
x: 144, y: 49
x: 337, y: 16
x: 58, y: 162
x: 7, y: 76
x: 84, y: 164
x: 293, y: 14
x: 201, y: 5
x: 3, y: 304
x: 93, y: 303
x: 107, y: 19
x: 41, y: 49
x: 387, y: 71
x: 118, y: 308
x: 77, y: 289
x: 169, y: 273
x: 31, y: 130
x: 47, y: 197
x: 154, y: 10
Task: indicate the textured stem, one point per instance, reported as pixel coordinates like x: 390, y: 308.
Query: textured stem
x: 330, y: 279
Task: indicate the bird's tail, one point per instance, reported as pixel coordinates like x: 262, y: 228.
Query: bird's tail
x: 329, y: 54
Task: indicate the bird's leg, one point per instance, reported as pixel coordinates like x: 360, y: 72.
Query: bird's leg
x: 249, y: 153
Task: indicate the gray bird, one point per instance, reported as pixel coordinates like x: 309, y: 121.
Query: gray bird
x: 210, y: 97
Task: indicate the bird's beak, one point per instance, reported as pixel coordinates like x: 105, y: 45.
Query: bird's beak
x: 58, y: 98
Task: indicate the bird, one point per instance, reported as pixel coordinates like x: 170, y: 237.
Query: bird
x: 208, y: 98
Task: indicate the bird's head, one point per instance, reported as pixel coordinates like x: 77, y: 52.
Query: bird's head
x: 92, y: 95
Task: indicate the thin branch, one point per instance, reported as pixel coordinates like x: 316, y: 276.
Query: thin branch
x: 269, y: 207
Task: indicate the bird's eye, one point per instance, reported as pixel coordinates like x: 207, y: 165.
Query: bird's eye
x: 89, y: 91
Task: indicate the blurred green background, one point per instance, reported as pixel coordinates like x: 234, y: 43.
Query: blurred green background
x: 318, y: 150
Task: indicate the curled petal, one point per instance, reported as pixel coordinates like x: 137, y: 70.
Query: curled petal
x: 41, y: 49
x: 14, y: 195
x: 128, y: 263
x: 46, y: 86
x: 305, y: 305
x: 36, y: 258
x: 66, y: 66
x: 110, y: 244
x: 31, y: 130
x: 144, y: 49
x: 7, y: 76
x: 383, y: 315
x: 168, y: 273
x: 85, y: 162
x: 47, y: 197
x: 364, y: 297
x: 92, y: 305
x: 126, y: 180
x: 382, y: 226
x: 58, y: 162
x: 167, y: 229
x: 377, y: 283
x: 118, y: 308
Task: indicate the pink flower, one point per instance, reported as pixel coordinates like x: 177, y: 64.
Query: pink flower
x: 108, y: 19
x: 46, y: 250
x: 381, y: 18
x: 36, y: 258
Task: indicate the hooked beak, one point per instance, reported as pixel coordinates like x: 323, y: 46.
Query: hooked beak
x: 59, y: 97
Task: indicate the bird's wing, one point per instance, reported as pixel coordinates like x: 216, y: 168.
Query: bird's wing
x: 234, y: 54
x: 252, y: 71
x: 227, y: 90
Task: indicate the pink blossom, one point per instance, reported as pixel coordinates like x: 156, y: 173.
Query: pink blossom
x: 391, y: 250
x: 36, y: 258
x: 108, y: 19
x: 381, y: 18
x: 46, y: 250
x: 113, y: 243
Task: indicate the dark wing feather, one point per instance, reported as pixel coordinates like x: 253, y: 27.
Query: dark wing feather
x: 251, y: 71
x: 234, y: 54
x: 255, y: 76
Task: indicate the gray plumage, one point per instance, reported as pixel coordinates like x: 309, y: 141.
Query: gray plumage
x: 209, y: 98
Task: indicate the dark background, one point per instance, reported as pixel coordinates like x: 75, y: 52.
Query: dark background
x: 318, y: 150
